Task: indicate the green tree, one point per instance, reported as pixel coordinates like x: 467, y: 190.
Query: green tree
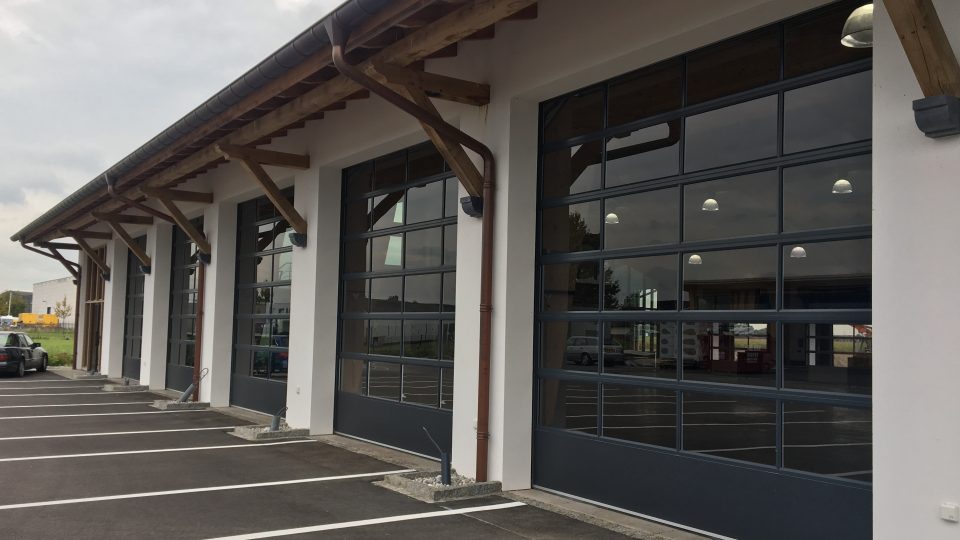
x: 13, y: 303
x: 62, y: 310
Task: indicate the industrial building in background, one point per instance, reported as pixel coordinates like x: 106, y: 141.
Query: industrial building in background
x: 56, y: 297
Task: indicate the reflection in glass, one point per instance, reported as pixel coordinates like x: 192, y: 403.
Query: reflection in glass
x: 279, y: 363
x: 734, y: 65
x: 421, y: 385
x: 384, y: 380
x: 358, y: 179
x: 451, y: 199
x: 424, y: 248
x: 264, y: 268
x: 731, y: 279
x: 353, y: 376
x: 422, y: 293
x: 421, y: 339
x: 446, y: 389
x: 387, y: 210
x: 827, y: 439
x: 423, y: 160
x: 810, y: 42
x: 642, y: 219
x: 572, y: 115
x: 831, y: 275
x: 447, y: 339
x: 646, y: 349
x: 644, y: 154
x: 833, y: 193
x: 569, y: 405
x: 571, y: 286
x: 425, y: 203
x: 649, y: 91
x: 572, y: 170
x: 574, y: 227
x: 385, y: 294
x: 353, y: 336
x: 449, y: 292
x: 734, y: 353
x: 569, y: 345
x: 639, y: 414
x: 828, y: 357
x: 828, y: 113
x: 384, y: 337
x: 450, y: 245
x: 355, y: 299
x: 389, y: 170
x: 642, y: 283
x: 261, y: 364
x: 738, y: 206
x: 356, y: 256
x: 731, y: 427
x: 734, y: 134
x: 356, y: 218
x: 280, y: 300
x: 387, y: 252
x: 283, y: 266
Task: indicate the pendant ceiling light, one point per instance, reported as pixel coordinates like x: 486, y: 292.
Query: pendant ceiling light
x: 695, y: 259
x: 858, y: 30
x: 798, y: 253
x: 611, y: 219
x: 710, y: 205
x: 842, y: 187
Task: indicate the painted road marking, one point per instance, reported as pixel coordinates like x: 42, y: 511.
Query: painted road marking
x: 75, y: 405
x: 200, y: 490
x: 51, y: 387
x: 109, y: 433
x: 156, y: 451
x: 92, y: 381
x: 99, y: 414
x: 374, y: 521
x: 101, y: 393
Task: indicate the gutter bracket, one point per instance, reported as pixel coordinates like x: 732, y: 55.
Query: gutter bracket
x: 937, y: 116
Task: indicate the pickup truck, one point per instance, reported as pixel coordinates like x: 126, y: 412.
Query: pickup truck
x: 20, y: 353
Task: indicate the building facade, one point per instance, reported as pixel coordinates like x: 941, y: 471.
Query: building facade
x: 47, y: 294
x: 702, y: 211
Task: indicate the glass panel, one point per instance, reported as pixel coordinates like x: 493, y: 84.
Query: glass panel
x: 265, y: 209
x: 421, y: 385
x: 280, y: 304
x: 260, y: 334
x: 643, y: 154
x: 450, y: 245
x: 738, y: 206
x: 384, y: 380
x: 569, y: 345
x: 388, y: 210
x: 446, y: 389
x: 425, y: 203
x: 646, y: 349
x: 649, y: 91
x: 572, y: 170
x: 638, y: 414
x: 384, y: 337
x: 828, y: 357
x: 353, y: 337
x: 569, y: 405
x: 734, y: 65
x: 734, y: 134
x: 261, y: 364
x: 826, y: 439
x: 355, y: 298
x: 447, y: 340
x: 353, y: 376
x: 387, y: 252
x: 449, y: 292
x: 424, y: 248
x: 643, y: 283
x: 827, y: 275
x: 828, y: 194
x: 571, y: 286
x: 422, y: 293
x: 732, y: 427
x: 359, y: 178
x: 385, y: 295
x: 423, y: 161
x: 283, y: 266
x: 421, y: 339
x: 641, y: 219
x: 731, y: 279
x: 451, y: 199
x: 264, y: 266
x: 265, y: 236
x: 574, y: 227
x: 279, y: 362
x: 573, y: 115
x: 280, y: 330
x: 281, y: 234
x: 389, y: 170
x: 733, y: 353
x: 811, y: 42
x: 356, y: 256
x: 187, y: 352
x: 242, y: 364
x: 828, y: 113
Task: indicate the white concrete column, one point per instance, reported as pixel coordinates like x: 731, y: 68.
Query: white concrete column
x: 916, y: 374
x: 156, y: 307
x: 311, y: 382
x: 114, y: 302
x: 220, y: 226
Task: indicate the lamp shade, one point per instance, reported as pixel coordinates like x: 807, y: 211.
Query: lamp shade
x: 710, y: 205
x: 798, y: 253
x: 858, y: 30
x: 695, y: 259
x: 611, y: 219
x: 842, y: 187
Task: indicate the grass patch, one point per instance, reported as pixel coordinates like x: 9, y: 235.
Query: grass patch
x: 57, y: 342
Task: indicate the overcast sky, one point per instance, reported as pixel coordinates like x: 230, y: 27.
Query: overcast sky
x: 85, y: 82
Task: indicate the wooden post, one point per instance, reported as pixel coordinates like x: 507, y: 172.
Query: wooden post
x: 926, y: 45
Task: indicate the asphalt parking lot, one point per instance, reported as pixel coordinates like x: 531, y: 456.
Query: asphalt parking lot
x: 77, y: 462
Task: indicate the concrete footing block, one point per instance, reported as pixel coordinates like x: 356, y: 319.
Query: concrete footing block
x: 172, y: 405
x: 263, y: 433
x: 426, y: 486
x: 125, y: 388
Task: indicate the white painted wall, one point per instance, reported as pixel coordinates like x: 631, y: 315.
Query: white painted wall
x: 46, y: 294
x: 114, y: 302
x: 915, y: 288
x: 220, y: 227
x: 156, y: 307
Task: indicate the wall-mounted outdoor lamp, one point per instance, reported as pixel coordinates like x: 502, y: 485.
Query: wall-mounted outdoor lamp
x: 858, y: 30
x: 695, y: 259
x: 798, y: 253
x: 842, y: 187
x: 611, y: 219
x: 710, y: 205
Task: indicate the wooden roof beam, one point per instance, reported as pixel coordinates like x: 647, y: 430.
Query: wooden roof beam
x: 138, y: 252
x: 434, y: 85
x: 167, y: 199
x: 91, y: 254
x: 926, y: 45
x: 265, y: 157
x: 122, y: 218
x: 80, y: 233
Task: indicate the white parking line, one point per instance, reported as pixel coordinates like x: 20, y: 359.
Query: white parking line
x: 374, y: 521
x: 91, y: 381
x: 156, y: 451
x: 109, y: 433
x: 51, y: 387
x: 75, y: 405
x: 198, y: 490
x: 101, y: 393
x: 100, y: 414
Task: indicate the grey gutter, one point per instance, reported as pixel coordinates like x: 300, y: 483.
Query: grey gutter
x: 287, y: 57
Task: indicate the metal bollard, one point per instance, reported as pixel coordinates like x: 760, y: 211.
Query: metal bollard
x: 275, y: 422
x: 189, y: 391
x: 444, y: 459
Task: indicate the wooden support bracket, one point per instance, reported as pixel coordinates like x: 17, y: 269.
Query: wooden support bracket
x: 134, y: 248
x: 58, y: 245
x: 71, y: 267
x: 167, y: 198
x: 80, y: 233
x: 92, y: 255
x: 122, y: 218
x: 926, y: 45
x: 434, y: 85
x: 265, y: 157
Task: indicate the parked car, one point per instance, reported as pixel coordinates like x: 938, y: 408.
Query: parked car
x: 585, y: 350
x: 21, y: 353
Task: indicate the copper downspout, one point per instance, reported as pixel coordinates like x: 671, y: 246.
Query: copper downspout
x: 76, y: 318
x: 338, y: 39
x: 198, y: 327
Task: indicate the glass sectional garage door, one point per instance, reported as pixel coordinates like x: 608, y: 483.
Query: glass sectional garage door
x: 704, y: 277
x: 184, y: 276
x: 398, y: 300
x: 133, y: 314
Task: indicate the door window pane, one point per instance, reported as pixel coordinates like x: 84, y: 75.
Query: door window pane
x: 280, y: 300
x: 644, y: 154
x: 451, y: 197
x: 643, y: 283
x: 356, y: 256
x: 646, y: 349
x: 283, y: 266
x: 731, y: 279
x: 422, y: 293
x: 571, y: 287
x: 572, y: 170
x: 641, y: 219
x: 734, y: 65
x: 828, y: 113
x: 827, y: 439
x: 353, y: 376
x: 384, y: 337
x: 649, y: 91
x: 421, y: 385
x: 574, y: 227
x: 569, y: 405
x: 384, y: 380
x: 358, y: 179
x: 450, y: 245
x: 424, y: 248
x: 734, y: 134
x: 387, y: 210
x: 446, y: 389
x: 733, y: 353
x: 425, y: 203
x: 385, y: 294
x: 447, y: 340
x: 421, y: 339
x: 639, y: 414
x: 828, y: 194
x: 828, y: 357
x: 827, y: 275
x: 355, y: 299
x: 738, y: 206
x: 573, y: 115
x: 450, y: 292
x: 732, y: 427
x: 810, y: 42
x: 569, y: 345
x: 423, y: 161
x: 389, y: 170
x: 387, y: 252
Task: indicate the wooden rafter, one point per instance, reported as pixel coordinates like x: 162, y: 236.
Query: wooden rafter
x: 926, y: 45
x: 123, y: 218
x: 125, y: 237
x: 79, y: 233
x: 58, y: 245
x: 92, y: 255
x: 434, y: 85
x: 265, y: 157
x: 71, y: 267
x: 166, y: 199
